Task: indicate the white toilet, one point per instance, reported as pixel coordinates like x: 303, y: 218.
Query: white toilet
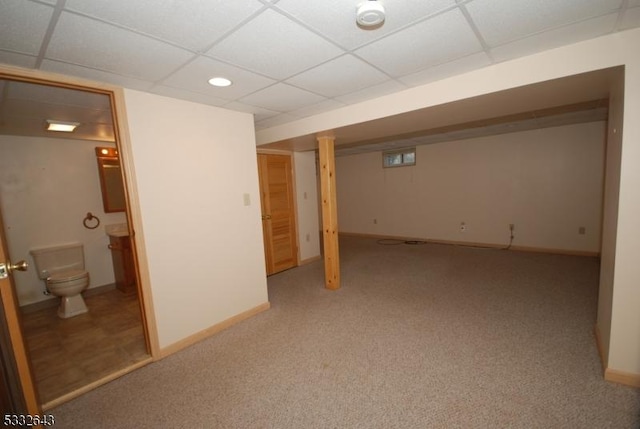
x: 62, y: 269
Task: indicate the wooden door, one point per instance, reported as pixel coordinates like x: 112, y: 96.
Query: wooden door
x: 278, y: 212
x: 19, y: 393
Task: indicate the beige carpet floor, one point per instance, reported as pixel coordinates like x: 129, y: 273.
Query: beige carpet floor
x: 419, y: 336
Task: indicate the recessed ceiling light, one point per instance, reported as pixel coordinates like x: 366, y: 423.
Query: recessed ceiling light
x: 63, y: 126
x: 219, y: 81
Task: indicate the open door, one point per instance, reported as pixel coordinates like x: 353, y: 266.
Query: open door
x: 278, y: 212
x: 18, y: 390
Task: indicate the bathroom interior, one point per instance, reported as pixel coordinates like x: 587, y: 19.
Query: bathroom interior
x: 63, y: 207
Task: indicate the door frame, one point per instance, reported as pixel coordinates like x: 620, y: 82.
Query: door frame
x: 133, y: 212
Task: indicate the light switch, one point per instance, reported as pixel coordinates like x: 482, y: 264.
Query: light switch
x: 247, y: 199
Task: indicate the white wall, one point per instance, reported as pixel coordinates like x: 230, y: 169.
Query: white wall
x: 193, y: 165
x: 47, y: 186
x: 546, y: 182
x: 307, y: 204
x: 598, y: 53
x: 624, y: 350
x: 610, y: 214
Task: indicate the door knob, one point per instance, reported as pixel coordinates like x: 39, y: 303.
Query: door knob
x: 6, y: 269
x: 18, y: 266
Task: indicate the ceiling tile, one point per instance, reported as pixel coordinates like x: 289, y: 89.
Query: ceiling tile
x: 136, y: 44
x: 195, y: 76
x: 58, y: 96
x: 630, y: 19
x: 500, y: 21
x: 95, y: 75
x: 258, y: 112
x: 272, y: 45
x: 337, y: 18
x: 17, y: 59
x: 438, y: 40
x: 274, y: 121
x: 339, y: 76
x: 375, y: 91
x: 206, y: 20
x: 452, y: 68
x: 282, y: 98
x: 35, y: 109
x: 555, y: 38
x: 23, y: 25
x: 181, y: 94
x: 87, y: 42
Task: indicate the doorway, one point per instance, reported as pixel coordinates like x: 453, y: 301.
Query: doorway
x: 67, y: 356
x: 278, y: 212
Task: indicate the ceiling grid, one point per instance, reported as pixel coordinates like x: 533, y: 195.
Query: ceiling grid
x: 289, y: 59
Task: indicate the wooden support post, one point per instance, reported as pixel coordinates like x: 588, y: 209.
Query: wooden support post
x: 329, y: 213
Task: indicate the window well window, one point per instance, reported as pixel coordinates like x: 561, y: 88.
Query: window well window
x: 399, y: 158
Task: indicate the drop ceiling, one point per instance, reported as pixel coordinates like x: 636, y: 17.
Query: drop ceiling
x: 289, y: 59
x: 25, y: 108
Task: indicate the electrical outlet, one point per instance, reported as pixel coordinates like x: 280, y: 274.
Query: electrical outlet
x: 582, y: 230
x: 375, y: 221
x: 308, y: 237
x: 463, y: 227
x: 512, y: 227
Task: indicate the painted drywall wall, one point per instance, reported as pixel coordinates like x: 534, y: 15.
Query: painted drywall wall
x: 546, y: 182
x: 47, y: 186
x: 610, y: 215
x: 195, y: 167
x: 307, y: 204
x: 624, y: 349
x: 613, y: 50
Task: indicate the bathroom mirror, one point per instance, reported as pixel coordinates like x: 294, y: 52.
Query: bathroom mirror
x: 110, y: 180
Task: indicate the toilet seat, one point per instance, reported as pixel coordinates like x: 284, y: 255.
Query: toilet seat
x: 66, y: 276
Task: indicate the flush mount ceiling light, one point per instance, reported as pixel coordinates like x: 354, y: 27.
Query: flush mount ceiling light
x: 63, y: 126
x: 219, y: 81
x: 370, y: 14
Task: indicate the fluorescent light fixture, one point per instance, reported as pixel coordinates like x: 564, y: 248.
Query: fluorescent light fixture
x: 65, y: 127
x: 219, y: 81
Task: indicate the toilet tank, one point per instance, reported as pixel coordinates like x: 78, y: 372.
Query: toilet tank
x: 55, y: 259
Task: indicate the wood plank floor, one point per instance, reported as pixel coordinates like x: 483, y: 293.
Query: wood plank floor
x: 67, y: 354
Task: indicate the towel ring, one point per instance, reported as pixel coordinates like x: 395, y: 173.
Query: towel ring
x: 90, y: 217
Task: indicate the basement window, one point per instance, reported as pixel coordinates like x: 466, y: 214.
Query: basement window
x: 399, y: 158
